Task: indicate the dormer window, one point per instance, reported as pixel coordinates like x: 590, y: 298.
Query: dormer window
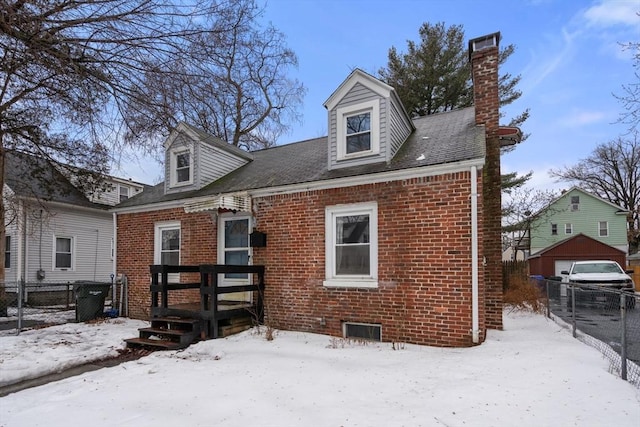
x: 358, y: 130
x: 181, y: 167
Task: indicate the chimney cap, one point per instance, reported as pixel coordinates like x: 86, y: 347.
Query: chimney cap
x: 484, y: 42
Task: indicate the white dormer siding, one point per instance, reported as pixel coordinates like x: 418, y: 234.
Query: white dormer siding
x: 367, y: 122
x: 194, y: 159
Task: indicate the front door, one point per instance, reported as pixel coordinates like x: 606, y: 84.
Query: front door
x: 234, y: 249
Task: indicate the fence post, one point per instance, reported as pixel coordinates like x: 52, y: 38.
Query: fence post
x: 573, y: 309
x: 21, y: 285
x: 546, y: 282
x: 623, y: 338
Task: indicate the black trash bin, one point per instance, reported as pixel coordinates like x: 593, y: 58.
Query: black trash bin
x: 90, y: 298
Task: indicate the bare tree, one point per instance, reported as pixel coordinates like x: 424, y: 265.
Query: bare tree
x: 630, y: 97
x: 519, y: 209
x: 612, y: 171
x: 71, y: 69
x: 234, y: 86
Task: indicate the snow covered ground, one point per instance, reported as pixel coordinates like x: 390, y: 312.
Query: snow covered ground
x: 531, y: 374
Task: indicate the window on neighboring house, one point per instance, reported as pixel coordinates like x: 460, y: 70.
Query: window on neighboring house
x: 358, y: 129
x: 64, y: 253
x: 603, y: 228
x: 351, y: 253
x: 124, y: 193
x: 568, y: 229
x: 7, y: 252
x: 181, y: 167
x: 575, y: 203
x: 554, y: 229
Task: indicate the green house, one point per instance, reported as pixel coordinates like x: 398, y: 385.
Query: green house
x: 578, y: 211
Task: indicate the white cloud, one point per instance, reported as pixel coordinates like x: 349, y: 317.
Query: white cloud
x: 582, y: 118
x: 613, y: 12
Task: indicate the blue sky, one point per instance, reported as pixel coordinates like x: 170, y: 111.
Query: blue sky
x: 567, y: 53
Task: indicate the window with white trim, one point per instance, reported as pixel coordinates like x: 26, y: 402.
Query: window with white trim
x: 351, y: 239
x: 575, y: 203
x: 63, y: 256
x: 603, y: 228
x: 167, y: 243
x: 181, y: 167
x: 358, y: 130
x: 554, y: 229
x: 568, y: 228
x: 124, y: 193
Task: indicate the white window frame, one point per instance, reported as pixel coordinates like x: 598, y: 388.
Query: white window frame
x: 225, y: 281
x: 159, y: 227
x: 568, y: 228
x: 55, y: 252
x: 120, y: 188
x: 173, y: 166
x: 372, y: 107
x: 351, y: 281
x: 606, y: 229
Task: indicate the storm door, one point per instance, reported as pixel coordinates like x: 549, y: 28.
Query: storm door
x: 234, y: 249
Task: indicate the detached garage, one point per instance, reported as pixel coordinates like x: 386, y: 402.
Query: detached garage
x: 552, y: 260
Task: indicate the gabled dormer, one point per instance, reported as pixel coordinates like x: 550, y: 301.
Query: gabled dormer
x: 194, y: 158
x: 367, y: 122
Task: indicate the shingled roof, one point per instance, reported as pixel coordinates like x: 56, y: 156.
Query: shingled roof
x: 36, y: 178
x: 438, y: 139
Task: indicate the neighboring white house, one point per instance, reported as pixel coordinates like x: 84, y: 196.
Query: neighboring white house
x: 54, y: 233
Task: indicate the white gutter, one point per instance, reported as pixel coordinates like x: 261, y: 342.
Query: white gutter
x: 475, y: 333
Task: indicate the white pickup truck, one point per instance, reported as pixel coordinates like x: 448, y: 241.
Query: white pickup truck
x: 595, y: 278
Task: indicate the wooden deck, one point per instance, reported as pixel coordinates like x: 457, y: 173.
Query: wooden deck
x: 176, y: 325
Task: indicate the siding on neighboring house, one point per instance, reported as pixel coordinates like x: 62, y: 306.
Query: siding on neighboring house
x: 585, y: 220
x: 92, y: 233
x: 111, y: 197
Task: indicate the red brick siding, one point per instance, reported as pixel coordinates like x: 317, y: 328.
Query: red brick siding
x: 136, y: 250
x: 424, y: 259
x: 424, y: 253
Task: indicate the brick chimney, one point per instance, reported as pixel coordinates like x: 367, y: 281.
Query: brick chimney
x: 483, y: 54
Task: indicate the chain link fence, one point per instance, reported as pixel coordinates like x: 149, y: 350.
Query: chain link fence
x: 607, y: 319
x: 35, y: 305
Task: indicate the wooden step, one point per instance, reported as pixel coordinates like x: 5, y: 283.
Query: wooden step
x: 154, y: 344
x: 184, y: 337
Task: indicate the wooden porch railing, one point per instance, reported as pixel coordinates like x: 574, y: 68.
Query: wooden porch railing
x: 209, y: 311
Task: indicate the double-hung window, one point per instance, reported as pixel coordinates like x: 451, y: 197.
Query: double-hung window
x: 351, y: 253
x: 124, y: 193
x: 554, y: 229
x: 167, y: 245
x: 568, y: 228
x: 358, y: 130
x: 603, y: 228
x: 63, y: 257
x: 181, y: 164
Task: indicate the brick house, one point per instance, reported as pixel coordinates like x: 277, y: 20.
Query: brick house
x: 390, y: 223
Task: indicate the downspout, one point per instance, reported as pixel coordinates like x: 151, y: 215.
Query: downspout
x: 475, y: 333
x: 114, y: 255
